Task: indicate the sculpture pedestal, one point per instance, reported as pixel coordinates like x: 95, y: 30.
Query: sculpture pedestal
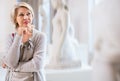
x: 63, y: 65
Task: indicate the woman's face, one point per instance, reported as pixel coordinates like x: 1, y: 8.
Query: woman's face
x: 24, y: 17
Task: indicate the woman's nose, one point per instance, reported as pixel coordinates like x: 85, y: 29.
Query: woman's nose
x: 25, y: 16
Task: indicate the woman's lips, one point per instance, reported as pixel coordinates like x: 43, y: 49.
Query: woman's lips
x: 26, y: 22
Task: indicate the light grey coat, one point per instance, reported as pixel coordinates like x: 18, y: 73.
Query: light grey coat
x: 30, y: 67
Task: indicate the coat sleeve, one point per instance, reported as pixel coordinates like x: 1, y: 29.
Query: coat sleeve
x: 37, y: 62
x: 11, y: 57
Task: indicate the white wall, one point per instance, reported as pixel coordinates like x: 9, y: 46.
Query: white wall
x: 5, y: 23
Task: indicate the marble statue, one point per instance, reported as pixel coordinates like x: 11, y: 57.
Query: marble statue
x: 64, y: 49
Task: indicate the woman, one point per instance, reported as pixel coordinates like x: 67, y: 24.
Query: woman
x: 25, y: 48
x: 63, y: 50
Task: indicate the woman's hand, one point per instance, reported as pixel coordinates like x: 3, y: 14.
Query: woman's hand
x: 25, y: 32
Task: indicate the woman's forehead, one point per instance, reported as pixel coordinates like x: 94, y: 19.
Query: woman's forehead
x: 23, y: 9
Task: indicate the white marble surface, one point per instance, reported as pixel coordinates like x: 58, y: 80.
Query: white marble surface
x: 76, y: 74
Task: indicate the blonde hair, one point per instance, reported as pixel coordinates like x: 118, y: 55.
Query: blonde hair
x: 16, y: 7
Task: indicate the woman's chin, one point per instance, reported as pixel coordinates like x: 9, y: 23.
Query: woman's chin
x: 25, y: 25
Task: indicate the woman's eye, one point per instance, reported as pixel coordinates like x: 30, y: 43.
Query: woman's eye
x: 21, y: 14
x: 28, y: 14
